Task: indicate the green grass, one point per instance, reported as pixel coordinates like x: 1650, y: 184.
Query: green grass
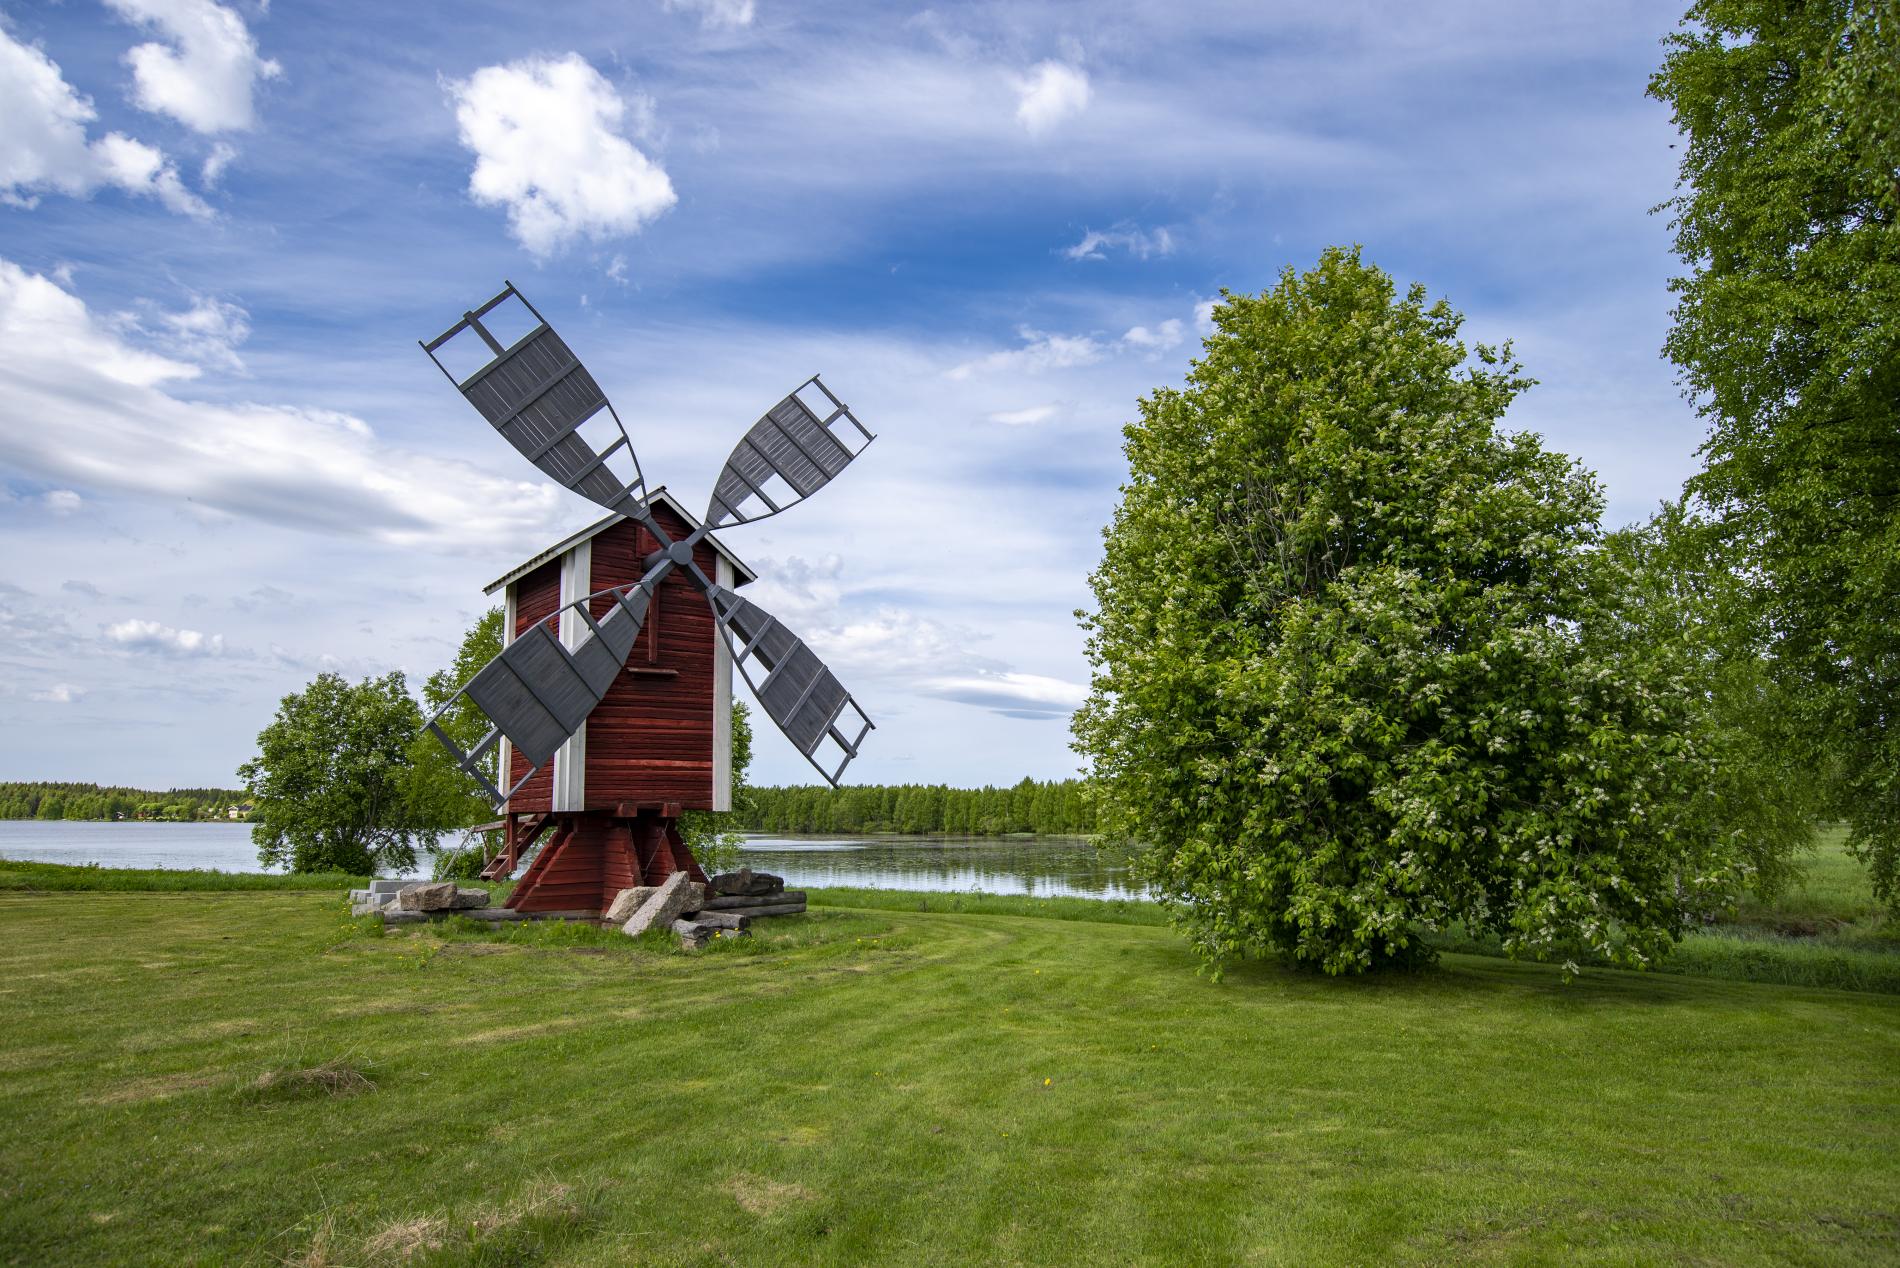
x: 256, y: 1078
x: 16, y: 874
x: 1113, y: 911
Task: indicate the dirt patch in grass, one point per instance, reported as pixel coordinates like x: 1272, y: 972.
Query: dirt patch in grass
x: 759, y: 1196
x: 156, y: 1088
x: 334, y: 1078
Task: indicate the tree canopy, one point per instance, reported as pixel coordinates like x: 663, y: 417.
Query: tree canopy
x: 1341, y: 695
x: 331, y: 780
x: 1787, y: 331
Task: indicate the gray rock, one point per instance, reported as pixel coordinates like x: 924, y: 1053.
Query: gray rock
x: 425, y: 896
x: 663, y: 906
x: 694, y: 934
x: 466, y: 899
x: 626, y: 902
x: 387, y: 889
x: 746, y: 883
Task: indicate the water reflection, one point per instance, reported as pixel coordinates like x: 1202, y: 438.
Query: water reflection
x: 1044, y: 867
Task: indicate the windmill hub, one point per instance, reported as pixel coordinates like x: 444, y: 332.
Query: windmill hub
x: 681, y: 552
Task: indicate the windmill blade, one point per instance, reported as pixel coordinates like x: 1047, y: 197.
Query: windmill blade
x: 792, y: 452
x: 539, y: 396
x: 537, y: 692
x: 803, y: 697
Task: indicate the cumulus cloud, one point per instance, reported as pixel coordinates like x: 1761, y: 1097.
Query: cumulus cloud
x: 1050, y: 93
x: 714, y: 14
x: 63, y: 501
x: 204, y: 68
x: 1138, y: 242
x: 1014, y: 695
x: 44, y: 147
x: 58, y: 693
x: 1167, y: 335
x: 1025, y: 417
x: 1204, y: 316
x: 81, y: 404
x: 549, y: 145
x: 139, y: 635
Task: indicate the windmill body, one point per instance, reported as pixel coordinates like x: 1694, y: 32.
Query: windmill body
x: 610, y: 703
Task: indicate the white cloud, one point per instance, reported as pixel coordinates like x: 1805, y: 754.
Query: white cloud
x: 1204, y: 316
x: 140, y: 635
x: 716, y: 13
x: 1167, y: 335
x: 1138, y: 242
x: 1015, y: 695
x: 207, y: 333
x: 548, y: 145
x: 63, y: 501
x: 215, y: 163
x: 80, y: 404
x: 1050, y: 93
x: 58, y: 693
x: 43, y: 144
x: 1040, y: 351
x: 1024, y: 417
x: 204, y: 74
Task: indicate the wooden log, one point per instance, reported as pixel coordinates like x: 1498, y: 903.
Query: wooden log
x: 737, y: 902
x: 783, y: 909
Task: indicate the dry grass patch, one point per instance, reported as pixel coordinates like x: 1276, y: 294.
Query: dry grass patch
x: 405, y: 1239
x: 334, y: 1078
x: 760, y: 1196
x: 156, y: 1088
x: 503, y: 1034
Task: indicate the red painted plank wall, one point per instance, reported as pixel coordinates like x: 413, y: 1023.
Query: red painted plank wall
x: 650, y: 741
x: 536, y: 595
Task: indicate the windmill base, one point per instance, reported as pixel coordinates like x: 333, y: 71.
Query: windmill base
x: 590, y: 856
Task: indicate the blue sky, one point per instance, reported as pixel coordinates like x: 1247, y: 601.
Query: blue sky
x: 225, y: 465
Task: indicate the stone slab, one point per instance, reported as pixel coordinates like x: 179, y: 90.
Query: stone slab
x: 663, y: 906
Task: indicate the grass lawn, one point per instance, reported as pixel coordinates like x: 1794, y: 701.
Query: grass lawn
x: 252, y: 1077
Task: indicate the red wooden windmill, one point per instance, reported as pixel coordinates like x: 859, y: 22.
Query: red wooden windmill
x: 610, y: 703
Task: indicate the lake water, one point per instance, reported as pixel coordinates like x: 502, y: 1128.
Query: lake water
x: 1042, y: 866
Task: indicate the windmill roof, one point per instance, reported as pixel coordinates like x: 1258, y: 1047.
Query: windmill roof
x: 742, y: 573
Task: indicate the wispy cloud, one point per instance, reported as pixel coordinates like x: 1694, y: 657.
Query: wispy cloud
x: 105, y: 416
x: 1014, y: 695
x: 717, y: 14
x: 1025, y: 417
x: 1132, y: 239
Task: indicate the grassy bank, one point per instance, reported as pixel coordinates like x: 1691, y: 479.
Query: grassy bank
x: 16, y: 874
x: 231, y: 1078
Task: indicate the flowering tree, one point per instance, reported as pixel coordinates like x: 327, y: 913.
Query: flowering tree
x: 1340, y: 691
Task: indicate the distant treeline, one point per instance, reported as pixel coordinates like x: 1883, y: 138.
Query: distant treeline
x: 1054, y: 806
x: 39, y: 799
